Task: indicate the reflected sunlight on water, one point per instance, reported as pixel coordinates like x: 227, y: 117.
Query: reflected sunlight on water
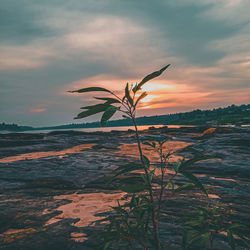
x: 86, y: 207
x: 37, y: 155
x: 168, y: 147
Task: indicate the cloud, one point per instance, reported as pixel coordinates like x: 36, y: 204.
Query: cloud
x: 21, y: 22
x: 236, y: 12
x: 37, y: 110
x: 50, y: 46
x: 23, y: 57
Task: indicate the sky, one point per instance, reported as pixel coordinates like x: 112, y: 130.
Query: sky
x: 48, y: 47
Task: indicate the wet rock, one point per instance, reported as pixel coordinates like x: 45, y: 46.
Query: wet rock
x: 53, y: 183
x: 22, y: 136
x: 28, y: 187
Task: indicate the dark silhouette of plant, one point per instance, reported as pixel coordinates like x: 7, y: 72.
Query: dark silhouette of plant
x: 206, y: 224
x: 136, y: 224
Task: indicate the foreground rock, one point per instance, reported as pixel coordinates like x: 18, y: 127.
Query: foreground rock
x: 46, y: 182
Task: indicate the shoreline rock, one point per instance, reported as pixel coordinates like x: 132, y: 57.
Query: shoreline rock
x: 28, y: 187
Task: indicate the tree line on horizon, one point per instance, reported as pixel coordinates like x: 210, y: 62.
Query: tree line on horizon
x: 232, y: 114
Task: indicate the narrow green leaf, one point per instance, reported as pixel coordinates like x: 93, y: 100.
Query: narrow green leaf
x: 108, y: 99
x: 176, y: 166
x: 125, y: 169
x: 171, y: 185
x: 96, y: 106
x: 107, y: 244
x: 119, y: 209
x: 92, y: 110
x: 190, y: 162
x: 126, y: 117
x: 230, y: 239
x: 236, y: 226
x: 134, y: 188
x: 184, y: 187
x: 146, y: 160
x: 151, y: 175
x: 143, y: 176
x: 148, y: 144
x: 134, y: 88
x: 127, y: 94
x: 207, y: 237
x: 245, y: 242
x: 194, y: 239
x: 109, y: 112
x: 129, y: 166
x: 90, y: 89
x: 150, y: 77
x: 143, y: 95
x: 203, y: 210
x: 192, y: 224
x: 243, y: 239
x: 195, y: 181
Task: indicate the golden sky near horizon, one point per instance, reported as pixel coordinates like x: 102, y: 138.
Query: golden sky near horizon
x: 47, y: 49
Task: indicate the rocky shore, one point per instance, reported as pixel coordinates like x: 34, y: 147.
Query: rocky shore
x: 53, y: 185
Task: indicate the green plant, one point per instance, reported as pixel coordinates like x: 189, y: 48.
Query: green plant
x: 129, y: 225
x: 137, y: 223
x: 206, y: 224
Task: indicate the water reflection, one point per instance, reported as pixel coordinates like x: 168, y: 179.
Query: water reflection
x: 106, y: 129
x: 37, y: 155
x: 85, y: 207
x: 168, y: 147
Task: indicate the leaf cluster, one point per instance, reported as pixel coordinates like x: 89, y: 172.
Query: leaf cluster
x: 129, y: 225
x: 136, y: 223
x: 111, y: 105
x: 206, y: 224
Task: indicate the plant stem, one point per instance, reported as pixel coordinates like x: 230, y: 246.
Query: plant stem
x: 162, y: 182
x: 154, y: 218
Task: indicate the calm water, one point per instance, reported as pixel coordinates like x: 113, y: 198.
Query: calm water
x: 105, y: 129
x: 108, y: 129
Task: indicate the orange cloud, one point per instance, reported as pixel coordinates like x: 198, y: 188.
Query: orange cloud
x: 37, y: 110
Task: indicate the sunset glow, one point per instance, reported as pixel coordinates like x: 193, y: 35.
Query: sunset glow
x: 124, y: 124
x: 47, y: 50
x: 37, y: 110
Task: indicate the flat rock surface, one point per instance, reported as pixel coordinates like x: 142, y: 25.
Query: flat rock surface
x: 51, y: 185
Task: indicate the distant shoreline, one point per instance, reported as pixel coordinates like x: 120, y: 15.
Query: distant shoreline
x: 230, y: 116
x: 100, y: 129
x: 122, y: 128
